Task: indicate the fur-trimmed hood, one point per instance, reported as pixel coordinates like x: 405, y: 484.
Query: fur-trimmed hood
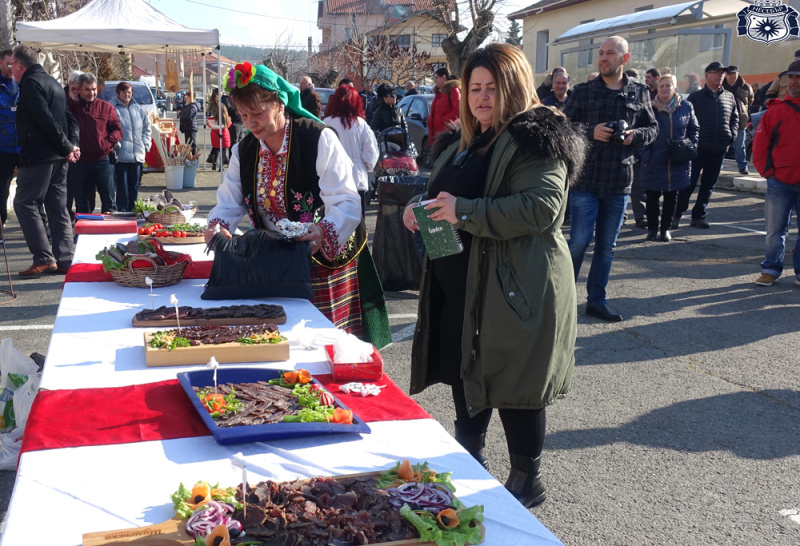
x: 543, y: 132
x: 448, y: 86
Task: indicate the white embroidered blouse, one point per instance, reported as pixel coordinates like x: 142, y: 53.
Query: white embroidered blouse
x: 337, y: 191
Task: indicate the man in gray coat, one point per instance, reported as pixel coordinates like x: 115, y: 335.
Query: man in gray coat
x: 48, y: 137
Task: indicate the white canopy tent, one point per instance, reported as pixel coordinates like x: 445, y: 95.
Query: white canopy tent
x: 118, y: 26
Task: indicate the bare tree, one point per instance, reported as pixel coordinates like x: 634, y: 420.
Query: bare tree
x: 481, y: 13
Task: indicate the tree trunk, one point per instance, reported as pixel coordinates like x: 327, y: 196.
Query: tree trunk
x: 6, y: 24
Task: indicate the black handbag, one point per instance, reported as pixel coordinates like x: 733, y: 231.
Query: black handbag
x: 259, y: 264
x: 682, y: 151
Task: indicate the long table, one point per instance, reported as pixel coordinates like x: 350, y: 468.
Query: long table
x: 77, y: 490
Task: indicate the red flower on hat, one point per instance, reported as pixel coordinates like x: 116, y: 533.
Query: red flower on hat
x: 246, y: 73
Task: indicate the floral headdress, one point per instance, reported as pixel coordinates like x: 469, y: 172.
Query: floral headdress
x: 244, y: 74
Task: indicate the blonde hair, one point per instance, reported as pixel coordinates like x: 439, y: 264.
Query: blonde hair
x: 670, y: 77
x: 515, y: 91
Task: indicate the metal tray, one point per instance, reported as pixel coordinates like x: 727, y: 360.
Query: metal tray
x: 257, y: 433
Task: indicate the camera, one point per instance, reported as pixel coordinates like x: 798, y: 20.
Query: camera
x: 619, y: 127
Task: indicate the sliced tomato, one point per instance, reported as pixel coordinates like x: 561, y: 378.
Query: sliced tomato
x: 342, y: 416
x: 214, y: 402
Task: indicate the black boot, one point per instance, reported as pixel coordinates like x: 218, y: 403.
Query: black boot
x: 665, y: 236
x: 525, y: 480
x: 651, y: 235
x: 474, y: 445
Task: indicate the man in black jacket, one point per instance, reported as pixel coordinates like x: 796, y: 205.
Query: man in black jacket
x: 718, y: 118
x: 599, y: 197
x: 370, y: 100
x: 48, y: 137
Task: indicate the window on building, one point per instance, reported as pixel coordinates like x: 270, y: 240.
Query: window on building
x: 586, y: 57
x: 437, y: 66
x: 712, y: 41
x: 436, y: 39
x: 402, y: 40
x: 542, y: 50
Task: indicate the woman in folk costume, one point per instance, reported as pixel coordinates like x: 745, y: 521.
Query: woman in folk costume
x: 292, y: 166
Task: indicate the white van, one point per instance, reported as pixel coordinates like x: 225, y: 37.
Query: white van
x: 141, y: 94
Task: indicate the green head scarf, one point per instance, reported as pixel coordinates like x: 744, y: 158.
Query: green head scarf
x: 244, y: 74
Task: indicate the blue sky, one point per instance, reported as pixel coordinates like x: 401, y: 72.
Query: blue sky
x: 267, y: 23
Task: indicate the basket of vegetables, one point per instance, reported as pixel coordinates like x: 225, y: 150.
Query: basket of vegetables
x: 130, y: 265
x: 165, y: 209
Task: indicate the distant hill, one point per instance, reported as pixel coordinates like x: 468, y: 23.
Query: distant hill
x: 241, y: 53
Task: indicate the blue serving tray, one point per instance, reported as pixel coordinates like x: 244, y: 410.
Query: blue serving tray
x: 257, y: 433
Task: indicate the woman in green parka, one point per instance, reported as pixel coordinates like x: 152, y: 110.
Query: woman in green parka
x: 497, y: 321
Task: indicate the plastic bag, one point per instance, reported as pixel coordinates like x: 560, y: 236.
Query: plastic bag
x: 398, y: 263
x: 16, y: 370
x: 10, y: 444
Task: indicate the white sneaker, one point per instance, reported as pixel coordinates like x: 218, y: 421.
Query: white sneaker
x: 797, y: 281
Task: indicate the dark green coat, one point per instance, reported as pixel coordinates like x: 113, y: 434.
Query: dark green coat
x: 520, y: 321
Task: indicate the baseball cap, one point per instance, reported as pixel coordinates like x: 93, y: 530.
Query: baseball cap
x: 732, y: 68
x: 716, y: 67
x: 794, y: 68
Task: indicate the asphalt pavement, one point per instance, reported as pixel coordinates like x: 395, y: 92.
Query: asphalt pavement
x: 683, y: 423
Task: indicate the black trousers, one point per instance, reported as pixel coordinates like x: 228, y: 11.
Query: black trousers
x: 524, y: 428
x: 8, y: 163
x: 670, y: 202
x: 709, y: 165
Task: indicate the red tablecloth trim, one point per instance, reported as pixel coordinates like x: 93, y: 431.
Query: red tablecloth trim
x: 162, y: 411
x: 95, y: 273
x: 93, y: 227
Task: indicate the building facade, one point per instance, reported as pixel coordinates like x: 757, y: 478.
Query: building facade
x: 684, y: 36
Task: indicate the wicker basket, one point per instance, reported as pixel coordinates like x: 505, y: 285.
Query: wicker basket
x: 166, y: 219
x: 162, y: 275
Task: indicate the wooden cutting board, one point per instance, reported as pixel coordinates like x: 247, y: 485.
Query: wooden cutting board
x: 224, y: 353
x: 188, y: 240
x: 173, y: 532
x: 243, y: 321
x: 169, y: 533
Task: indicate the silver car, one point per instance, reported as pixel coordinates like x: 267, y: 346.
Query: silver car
x: 416, y: 109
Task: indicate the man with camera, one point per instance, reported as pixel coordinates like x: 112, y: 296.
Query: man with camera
x: 618, y: 118
x: 718, y: 118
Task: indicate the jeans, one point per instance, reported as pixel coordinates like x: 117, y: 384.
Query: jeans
x: 85, y: 176
x: 190, y: 137
x: 710, y: 165
x: 778, y: 204
x: 127, y: 177
x: 237, y: 133
x: 601, y: 215
x: 739, y: 150
x: 45, y: 184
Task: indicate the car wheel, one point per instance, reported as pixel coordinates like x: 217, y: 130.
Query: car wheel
x: 425, y: 153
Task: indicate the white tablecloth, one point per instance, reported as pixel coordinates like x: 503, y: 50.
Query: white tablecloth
x: 79, y: 490
x: 102, y: 488
x: 94, y: 344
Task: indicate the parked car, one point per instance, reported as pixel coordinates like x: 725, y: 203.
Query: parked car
x: 324, y: 96
x: 141, y: 94
x: 161, y: 101
x: 416, y: 109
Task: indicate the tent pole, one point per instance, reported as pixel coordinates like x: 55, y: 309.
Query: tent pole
x: 219, y: 104
x: 203, y: 92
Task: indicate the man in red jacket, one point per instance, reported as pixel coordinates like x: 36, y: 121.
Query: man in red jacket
x: 775, y: 156
x: 446, y: 105
x: 100, y: 130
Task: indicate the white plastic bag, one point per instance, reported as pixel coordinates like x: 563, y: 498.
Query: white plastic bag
x: 16, y: 370
x: 10, y: 444
x: 23, y: 399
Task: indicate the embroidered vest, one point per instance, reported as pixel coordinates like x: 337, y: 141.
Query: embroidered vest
x: 301, y: 176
